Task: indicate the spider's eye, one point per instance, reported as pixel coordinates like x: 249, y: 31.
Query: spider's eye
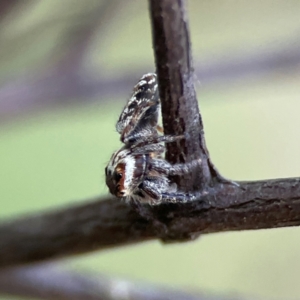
x: 118, y: 176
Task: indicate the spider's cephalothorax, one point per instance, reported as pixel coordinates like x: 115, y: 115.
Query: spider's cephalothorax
x: 138, y: 171
x: 140, y: 115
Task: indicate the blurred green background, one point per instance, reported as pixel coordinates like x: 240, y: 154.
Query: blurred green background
x: 66, y: 71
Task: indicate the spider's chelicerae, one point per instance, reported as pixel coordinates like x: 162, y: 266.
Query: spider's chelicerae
x: 138, y: 171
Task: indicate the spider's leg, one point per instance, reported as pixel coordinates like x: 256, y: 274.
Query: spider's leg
x: 155, y: 139
x: 139, y: 133
x: 180, y: 197
x: 164, y: 167
x: 165, y: 139
x: 145, y: 133
x: 152, y: 148
x: 152, y: 189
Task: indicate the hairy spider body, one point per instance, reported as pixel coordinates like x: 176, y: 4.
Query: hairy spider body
x: 139, y: 117
x: 138, y: 171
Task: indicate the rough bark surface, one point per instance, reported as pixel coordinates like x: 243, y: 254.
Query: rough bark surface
x: 111, y: 223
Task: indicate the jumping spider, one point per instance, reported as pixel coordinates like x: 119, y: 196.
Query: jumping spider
x: 138, y: 171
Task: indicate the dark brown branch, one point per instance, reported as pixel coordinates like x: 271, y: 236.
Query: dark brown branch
x: 111, y: 223
x: 171, y: 43
x: 50, y: 282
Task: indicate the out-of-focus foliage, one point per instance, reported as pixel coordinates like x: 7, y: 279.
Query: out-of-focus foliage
x: 56, y: 155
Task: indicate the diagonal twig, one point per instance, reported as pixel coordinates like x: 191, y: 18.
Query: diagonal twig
x: 6, y: 6
x: 65, y: 78
x: 48, y: 281
x: 24, y: 96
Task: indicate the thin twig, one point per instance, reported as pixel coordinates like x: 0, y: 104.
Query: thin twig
x: 6, y: 6
x: 65, y: 78
x: 50, y: 282
x: 27, y: 95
